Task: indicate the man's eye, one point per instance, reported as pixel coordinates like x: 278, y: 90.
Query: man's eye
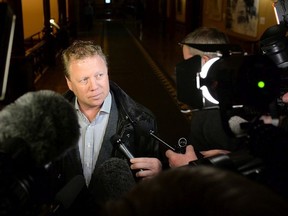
x: 98, y: 76
x: 84, y: 81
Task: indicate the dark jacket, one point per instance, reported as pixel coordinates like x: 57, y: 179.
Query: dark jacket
x: 133, y: 124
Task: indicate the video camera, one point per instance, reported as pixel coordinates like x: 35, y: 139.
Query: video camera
x: 235, y: 80
x: 247, y: 86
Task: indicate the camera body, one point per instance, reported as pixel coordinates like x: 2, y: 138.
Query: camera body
x: 246, y: 86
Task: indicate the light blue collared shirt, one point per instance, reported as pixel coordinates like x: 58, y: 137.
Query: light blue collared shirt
x: 91, y: 136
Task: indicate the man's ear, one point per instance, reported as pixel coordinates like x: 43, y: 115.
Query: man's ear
x: 68, y: 83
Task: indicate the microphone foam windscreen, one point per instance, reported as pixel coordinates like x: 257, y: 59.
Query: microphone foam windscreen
x: 235, y: 125
x: 45, y: 120
x: 113, y: 179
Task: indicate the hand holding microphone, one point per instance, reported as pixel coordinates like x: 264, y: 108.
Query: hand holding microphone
x: 145, y: 166
x: 116, y: 140
x: 177, y: 160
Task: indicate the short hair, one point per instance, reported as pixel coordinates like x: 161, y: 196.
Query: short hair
x: 81, y: 49
x: 205, y: 35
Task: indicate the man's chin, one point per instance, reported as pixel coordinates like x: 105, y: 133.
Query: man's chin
x: 96, y: 101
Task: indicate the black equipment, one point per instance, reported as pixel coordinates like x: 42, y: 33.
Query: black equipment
x: 7, y: 27
x: 244, y: 87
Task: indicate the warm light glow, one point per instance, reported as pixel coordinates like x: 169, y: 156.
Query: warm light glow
x: 276, y: 15
x: 53, y: 23
x: 33, y: 17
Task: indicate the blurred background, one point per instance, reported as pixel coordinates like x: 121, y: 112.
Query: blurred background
x: 140, y: 38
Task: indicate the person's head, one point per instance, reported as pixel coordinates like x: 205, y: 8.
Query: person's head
x: 202, y: 35
x: 86, y: 72
x: 199, y: 191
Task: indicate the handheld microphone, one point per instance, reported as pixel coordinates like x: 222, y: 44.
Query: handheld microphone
x: 235, y: 123
x: 151, y: 132
x: 182, y: 142
x: 113, y: 179
x: 117, y: 142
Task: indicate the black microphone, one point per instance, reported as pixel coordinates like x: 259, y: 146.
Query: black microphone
x: 117, y: 142
x: 45, y: 120
x: 113, y: 179
x: 68, y: 194
x: 144, y: 129
x: 151, y: 132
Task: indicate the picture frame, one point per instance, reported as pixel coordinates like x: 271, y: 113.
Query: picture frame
x: 180, y: 8
x: 242, y: 18
x: 213, y: 10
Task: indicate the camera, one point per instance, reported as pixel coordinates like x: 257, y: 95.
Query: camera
x: 246, y: 86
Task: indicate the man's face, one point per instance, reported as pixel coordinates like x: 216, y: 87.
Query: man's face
x: 89, y: 81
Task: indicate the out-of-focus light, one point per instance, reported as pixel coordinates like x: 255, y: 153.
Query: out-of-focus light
x: 53, y: 23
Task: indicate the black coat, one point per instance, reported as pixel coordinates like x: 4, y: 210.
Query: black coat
x: 138, y: 141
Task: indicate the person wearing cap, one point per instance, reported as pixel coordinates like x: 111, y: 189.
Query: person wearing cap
x: 207, y: 134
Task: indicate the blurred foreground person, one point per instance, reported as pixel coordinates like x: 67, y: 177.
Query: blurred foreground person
x: 207, y: 134
x: 198, y: 191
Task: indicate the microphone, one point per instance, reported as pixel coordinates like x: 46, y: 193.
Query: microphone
x: 45, y: 120
x: 182, y: 142
x: 113, y: 179
x: 117, y: 142
x: 235, y: 123
x: 151, y: 132
x: 68, y: 194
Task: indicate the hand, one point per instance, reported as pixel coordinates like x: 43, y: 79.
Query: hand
x: 148, y: 167
x: 214, y: 152
x: 177, y: 159
x: 285, y: 97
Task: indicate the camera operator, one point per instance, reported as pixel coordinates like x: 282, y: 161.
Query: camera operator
x: 206, y: 134
x: 260, y: 152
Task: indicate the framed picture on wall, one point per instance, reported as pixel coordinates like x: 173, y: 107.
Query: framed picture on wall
x: 213, y: 9
x: 243, y: 17
x: 180, y: 10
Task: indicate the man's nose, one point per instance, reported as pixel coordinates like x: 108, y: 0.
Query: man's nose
x: 93, y: 83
